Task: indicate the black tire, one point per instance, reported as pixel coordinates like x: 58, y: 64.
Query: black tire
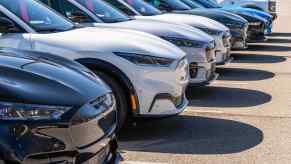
x: 120, y: 96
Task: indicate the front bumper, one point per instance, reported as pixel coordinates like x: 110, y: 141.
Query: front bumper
x: 60, y: 142
x: 200, y: 71
x: 164, y: 105
x: 222, y: 54
x: 161, y: 90
x: 205, y: 74
x: 239, y: 38
x: 223, y: 58
x: 256, y: 33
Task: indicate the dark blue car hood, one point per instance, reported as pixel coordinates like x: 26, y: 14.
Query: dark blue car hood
x: 38, y: 78
x: 251, y: 16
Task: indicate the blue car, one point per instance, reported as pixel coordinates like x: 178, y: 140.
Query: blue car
x: 268, y: 18
x: 260, y: 22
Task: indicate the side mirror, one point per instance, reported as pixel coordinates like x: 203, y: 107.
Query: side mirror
x: 6, y: 25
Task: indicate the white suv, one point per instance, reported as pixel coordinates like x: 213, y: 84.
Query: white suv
x: 100, y: 14
x: 147, y: 75
x: 141, y: 10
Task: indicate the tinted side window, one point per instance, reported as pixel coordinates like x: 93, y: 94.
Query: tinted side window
x: 121, y: 7
x: 69, y: 10
x: 5, y: 29
x: 160, y: 4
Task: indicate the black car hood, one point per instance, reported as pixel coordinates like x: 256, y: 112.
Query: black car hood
x: 38, y: 78
x: 218, y: 15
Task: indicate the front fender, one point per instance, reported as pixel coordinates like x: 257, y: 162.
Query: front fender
x: 116, y: 73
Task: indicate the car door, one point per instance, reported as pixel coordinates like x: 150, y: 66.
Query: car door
x: 12, y: 35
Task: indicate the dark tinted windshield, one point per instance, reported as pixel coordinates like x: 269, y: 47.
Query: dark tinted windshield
x: 122, y: 7
x: 39, y: 17
x: 208, y: 3
x: 169, y: 4
x: 143, y: 8
x: 104, y: 11
x: 193, y: 4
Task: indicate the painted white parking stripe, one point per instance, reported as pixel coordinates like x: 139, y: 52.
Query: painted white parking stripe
x: 229, y: 83
x: 204, y: 111
x: 140, y: 162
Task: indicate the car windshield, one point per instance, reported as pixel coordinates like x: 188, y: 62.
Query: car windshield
x: 208, y: 3
x: 104, y: 11
x: 193, y: 4
x: 37, y: 16
x: 174, y: 4
x: 143, y: 8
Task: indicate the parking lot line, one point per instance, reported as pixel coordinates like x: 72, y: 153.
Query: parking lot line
x: 140, y: 162
x: 230, y: 83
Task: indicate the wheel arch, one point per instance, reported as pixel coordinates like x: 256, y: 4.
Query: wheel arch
x: 118, y: 75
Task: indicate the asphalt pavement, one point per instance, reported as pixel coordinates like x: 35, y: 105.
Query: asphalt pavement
x: 242, y: 118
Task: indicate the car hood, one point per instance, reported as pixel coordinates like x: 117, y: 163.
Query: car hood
x: 164, y: 29
x: 38, y: 78
x: 253, y: 11
x: 109, y: 40
x: 192, y: 20
x: 195, y: 20
x: 250, y: 16
x: 218, y: 15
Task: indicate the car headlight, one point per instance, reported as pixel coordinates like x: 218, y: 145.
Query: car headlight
x: 146, y: 60
x: 18, y: 111
x: 184, y: 42
x: 95, y: 108
x: 104, y: 102
x: 211, y: 31
x: 254, y: 23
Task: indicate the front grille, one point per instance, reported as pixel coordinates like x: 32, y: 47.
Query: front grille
x: 272, y: 6
x: 193, y: 70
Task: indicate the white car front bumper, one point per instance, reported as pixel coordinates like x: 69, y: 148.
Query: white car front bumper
x: 223, y: 47
x: 202, y: 68
x: 161, y: 91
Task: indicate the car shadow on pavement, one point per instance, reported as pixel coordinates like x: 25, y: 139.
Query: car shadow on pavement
x: 254, y: 58
x: 243, y: 74
x: 282, y: 34
x: 278, y: 40
x: 225, y: 97
x: 268, y: 47
x: 185, y: 134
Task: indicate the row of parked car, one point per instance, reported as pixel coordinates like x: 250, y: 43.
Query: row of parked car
x: 72, y: 72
